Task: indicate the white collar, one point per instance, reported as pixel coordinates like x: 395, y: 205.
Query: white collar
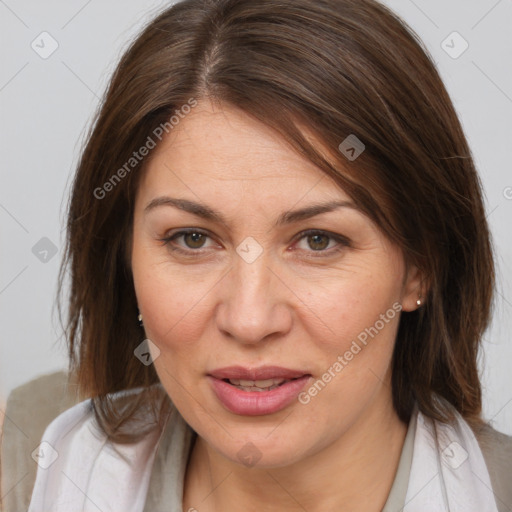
x: 448, y: 471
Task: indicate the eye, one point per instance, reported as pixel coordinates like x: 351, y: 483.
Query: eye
x: 194, y: 240
x: 191, y: 240
x: 321, y: 241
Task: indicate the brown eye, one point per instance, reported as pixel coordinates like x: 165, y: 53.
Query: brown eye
x: 194, y: 240
x: 190, y: 241
x: 318, y: 242
x: 321, y: 243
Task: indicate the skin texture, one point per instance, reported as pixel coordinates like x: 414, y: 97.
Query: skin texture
x: 299, y: 305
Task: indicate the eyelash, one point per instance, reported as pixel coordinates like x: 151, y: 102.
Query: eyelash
x: 342, y: 242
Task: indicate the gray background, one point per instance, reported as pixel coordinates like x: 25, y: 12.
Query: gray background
x: 46, y: 104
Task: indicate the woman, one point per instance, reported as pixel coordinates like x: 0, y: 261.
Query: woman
x: 280, y: 275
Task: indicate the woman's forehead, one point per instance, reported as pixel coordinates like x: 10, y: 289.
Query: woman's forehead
x: 216, y: 149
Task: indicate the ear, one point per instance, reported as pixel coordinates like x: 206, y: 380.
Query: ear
x: 414, y: 288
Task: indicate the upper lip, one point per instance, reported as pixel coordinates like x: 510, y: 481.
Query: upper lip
x: 260, y: 373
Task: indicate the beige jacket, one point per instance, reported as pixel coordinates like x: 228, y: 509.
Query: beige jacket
x: 31, y: 407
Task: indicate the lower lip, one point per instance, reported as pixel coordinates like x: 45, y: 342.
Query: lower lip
x: 256, y: 403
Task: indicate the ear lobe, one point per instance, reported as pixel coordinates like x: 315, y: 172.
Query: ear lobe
x: 414, y: 288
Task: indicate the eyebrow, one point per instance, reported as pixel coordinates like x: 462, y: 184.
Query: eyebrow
x: 208, y: 213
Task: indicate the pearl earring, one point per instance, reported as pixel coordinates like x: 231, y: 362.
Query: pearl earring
x: 418, y: 302
x: 140, y: 319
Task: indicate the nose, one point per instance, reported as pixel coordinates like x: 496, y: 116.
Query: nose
x: 253, y: 304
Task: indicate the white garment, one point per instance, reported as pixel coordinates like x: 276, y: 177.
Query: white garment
x: 448, y: 471
x: 89, y: 474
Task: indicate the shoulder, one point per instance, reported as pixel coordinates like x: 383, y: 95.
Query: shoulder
x: 497, y: 451
x: 496, y: 446
x: 30, y: 408
x: 33, y: 405
x: 80, y: 466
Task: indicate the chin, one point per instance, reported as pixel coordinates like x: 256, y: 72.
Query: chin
x: 261, y: 447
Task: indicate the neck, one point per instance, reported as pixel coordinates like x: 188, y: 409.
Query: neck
x: 355, y: 473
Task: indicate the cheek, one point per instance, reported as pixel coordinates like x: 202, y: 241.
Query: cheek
x: 173, y: 304
x: 173, y: 316
x: 359, y: 325
x: 353, y: 308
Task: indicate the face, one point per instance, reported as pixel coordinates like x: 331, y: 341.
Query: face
x: 250, y: 264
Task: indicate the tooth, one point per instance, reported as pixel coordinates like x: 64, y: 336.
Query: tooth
x: 265, y: 383
x: 257, y: 385
x: 256, y: 388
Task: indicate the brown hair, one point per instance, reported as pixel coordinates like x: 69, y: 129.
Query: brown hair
x: 331, y: 68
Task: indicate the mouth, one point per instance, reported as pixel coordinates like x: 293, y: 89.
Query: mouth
x: 254, y: 392
x: 257, y: 385
x: 261, y: 373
